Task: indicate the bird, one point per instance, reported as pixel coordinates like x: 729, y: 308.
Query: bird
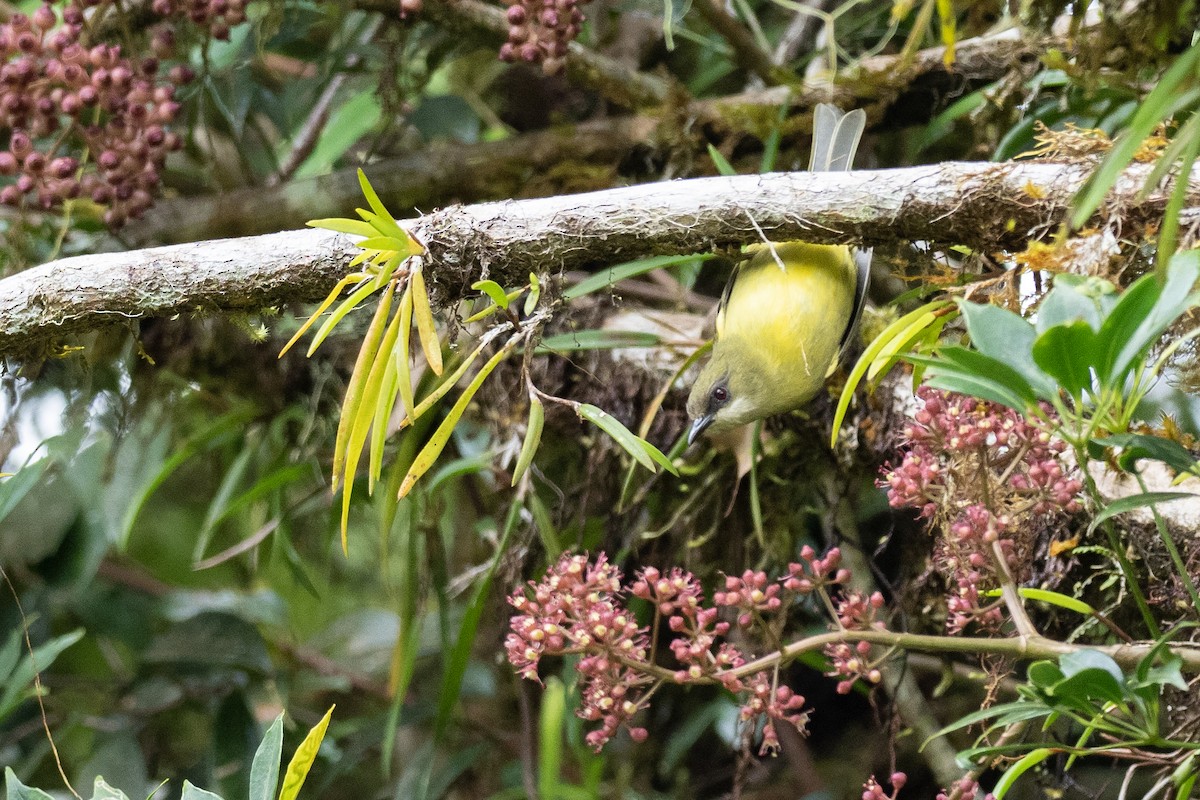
x: 787, y: 311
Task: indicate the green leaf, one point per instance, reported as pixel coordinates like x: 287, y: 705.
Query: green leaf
x: 102, y: 791
x: 535, y: 294
x: 193, y: 792
x: 348, y: 124
x: 15, y: 790
x: 1136, y: 446
x: 1126, y: 504
x: 660, y: 458
x: 264, y: 770
x: 1010, y: 776
x: 353, y: 227
x: 1067, y: 353
x: 1076, y: 297
x: 611, y: 275
x: 1164, y: 100
x: 15, y: 487
x: 303, y: 758
x: 1044, y: 674
x: 967, y: 372
x: 630, y: 443
x: 1008, y: 338
x: 1089, y: 689
x: 1144, y: 312
x: 550, y: 726
x: 17, y: 685
x: 493, y: 290
x: 597, y: 340
x: 894, y: 338
x: 347, y: 305
x: 720, y: 162
x: 533, y: 437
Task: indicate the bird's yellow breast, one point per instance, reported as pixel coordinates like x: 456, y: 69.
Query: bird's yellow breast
x: 794, y: 318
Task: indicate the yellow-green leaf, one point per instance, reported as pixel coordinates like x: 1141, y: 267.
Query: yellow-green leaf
x: 368, y: 411
x: 444, y: 387
x: 426, y: 329
x: 353, y: 277
x: 433, y: 448
x: 493, y: 290
x: 303, y: 758
x: 353, y: 227
x: 348, y: 305
x: 533, y: 437
x: 403, y: 362
x: 383, y: 412
x: 535, y: 294
x: 905, y: 326
x: 362, y: 365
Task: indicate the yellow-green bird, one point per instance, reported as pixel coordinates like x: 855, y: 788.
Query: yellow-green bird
x: 786, y: 312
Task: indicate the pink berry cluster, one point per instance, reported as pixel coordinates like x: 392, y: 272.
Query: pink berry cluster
x: 80, y: 121
x: 873, y: 791
x: 217, y: 16
x: 773, y: 704
x: 966, y: 787
x: 578, y: 608
x: 953, y: 436
x: 853, y: 662
x: 976, y: 466
x: 540, y: 30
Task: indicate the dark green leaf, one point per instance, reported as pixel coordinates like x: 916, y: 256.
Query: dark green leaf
x: 1125, y: 504
x: 1010, y: 776
x: 1006, y: 337
x: 1044, y: 674
x: 1145, y: 310
x: 1136, y: 446
x: 1066, y: 353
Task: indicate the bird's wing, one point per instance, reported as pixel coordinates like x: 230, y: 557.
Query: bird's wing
x: 835, y: 138
x: 723, y: 303
x: 862, y: 280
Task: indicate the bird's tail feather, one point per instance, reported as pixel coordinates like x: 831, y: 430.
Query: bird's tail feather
x: 835, y: 138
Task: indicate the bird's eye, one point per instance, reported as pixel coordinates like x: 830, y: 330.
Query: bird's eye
x: 720, y: 394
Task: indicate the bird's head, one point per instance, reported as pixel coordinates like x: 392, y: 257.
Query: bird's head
x: 731, y: 390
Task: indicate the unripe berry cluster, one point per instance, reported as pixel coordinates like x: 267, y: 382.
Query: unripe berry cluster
x: 540, y: 30
x: 80, y: 121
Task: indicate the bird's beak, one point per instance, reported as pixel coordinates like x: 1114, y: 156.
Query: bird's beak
x: 698, y: 427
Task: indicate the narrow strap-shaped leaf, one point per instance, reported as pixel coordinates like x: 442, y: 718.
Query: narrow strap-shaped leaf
x: 366, y: 355
x: 353, y: 277
x: 433, y: 448
x: 348, y: 305
x: 368, y: 406
x: 1126, y: 504
x: 630, y: 443
x: 905, y: 327
x: 303, y: 758
x: 383, y: 412
x: 444, y: 387
x: 533, y: 437
x: 352, y: 227
x: 402, y: 354
x: 426, y: 329
x: 1031, y: 759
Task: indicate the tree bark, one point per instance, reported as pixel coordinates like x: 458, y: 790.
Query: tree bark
x: 984, y: 206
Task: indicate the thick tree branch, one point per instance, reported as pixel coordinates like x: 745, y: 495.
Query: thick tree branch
x: 982, y: 205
